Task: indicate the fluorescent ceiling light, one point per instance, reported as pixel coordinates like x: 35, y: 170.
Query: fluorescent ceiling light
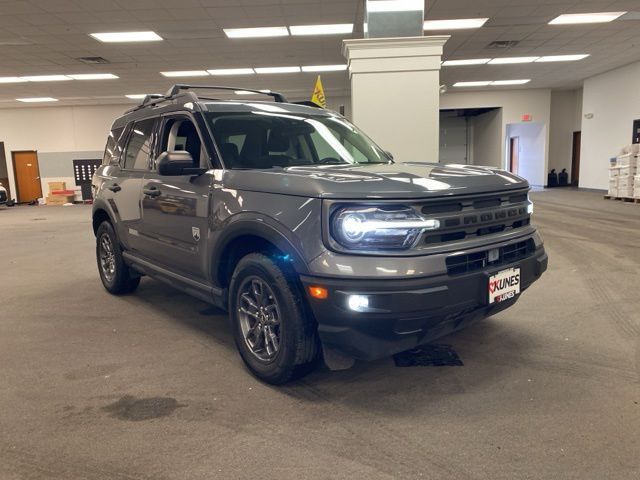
x: 245, y: 92
x: 278, y: 70
x: 472, y: 61
x: 94, y: 76
x: 46, y: 78
x: 136, y: 96
x: 456, y: 24
x: 324, y: 68
x: 498, y: 83
x: 186, y: 73
x: 256, y: 32
x: 509, y: 60
x: 472, y: 84
x: 580, y: 18
x: 232, y: 71
x: 37, y: 99
x: 117, y: 37
x: 335, y: 29
x: 563, y: 58
x: 12, y: 80
x: 377, y: 6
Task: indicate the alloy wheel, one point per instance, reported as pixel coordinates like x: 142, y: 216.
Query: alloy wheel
x: 107, y: 258
x: 259, y: 316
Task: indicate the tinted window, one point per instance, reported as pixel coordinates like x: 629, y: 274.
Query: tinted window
x: 180, y: 134
x: 139, y: 146
x: 113, y: 149
x: 266, y: 139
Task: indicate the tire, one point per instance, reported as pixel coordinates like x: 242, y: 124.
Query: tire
x: 114, y: 273
x: 281, y: 314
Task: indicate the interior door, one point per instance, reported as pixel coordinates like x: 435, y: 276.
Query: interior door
x: 575, y: 159
x: 27, y: 175
x: 175, y: 209
x: 514, y: 154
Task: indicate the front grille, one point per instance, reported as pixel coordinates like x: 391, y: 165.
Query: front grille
x: 462, y: 219
x: 472, y: 262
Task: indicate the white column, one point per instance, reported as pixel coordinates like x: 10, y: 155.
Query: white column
x: 395, y: 93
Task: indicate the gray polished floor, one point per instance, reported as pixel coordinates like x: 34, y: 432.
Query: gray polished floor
x: 149, y: 386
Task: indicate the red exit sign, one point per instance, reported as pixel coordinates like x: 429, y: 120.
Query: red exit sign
x: 527, y: 117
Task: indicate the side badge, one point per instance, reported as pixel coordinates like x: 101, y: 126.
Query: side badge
x: 195, y: 231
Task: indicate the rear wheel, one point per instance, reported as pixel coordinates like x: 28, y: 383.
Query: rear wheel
x: 114, y: 273
x: 276, y: 339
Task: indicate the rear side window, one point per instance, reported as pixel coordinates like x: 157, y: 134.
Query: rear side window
x: 139, y: 146
x: 113, y: 149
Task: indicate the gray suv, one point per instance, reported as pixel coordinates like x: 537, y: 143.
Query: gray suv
x: 315, y: 241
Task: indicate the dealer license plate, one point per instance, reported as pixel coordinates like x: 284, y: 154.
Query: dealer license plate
x: 504, y: 285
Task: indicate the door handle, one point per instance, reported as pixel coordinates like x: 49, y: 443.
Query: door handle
x: 151, y: 191
x: 114, y: 188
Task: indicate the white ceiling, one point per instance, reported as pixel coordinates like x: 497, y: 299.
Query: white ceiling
x: 47, y: 36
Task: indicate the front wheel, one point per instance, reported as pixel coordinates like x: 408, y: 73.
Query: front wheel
x: 275, y: 338
x: 114, y: 273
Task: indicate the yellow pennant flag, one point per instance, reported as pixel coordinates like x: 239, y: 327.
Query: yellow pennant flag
x: 318, y: 94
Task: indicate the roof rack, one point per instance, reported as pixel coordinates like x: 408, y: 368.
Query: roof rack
x: 174, y: 91
x: 278, y: 97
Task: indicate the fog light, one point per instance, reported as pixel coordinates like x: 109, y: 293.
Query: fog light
x: 358, y: 303
x: 530, y: 208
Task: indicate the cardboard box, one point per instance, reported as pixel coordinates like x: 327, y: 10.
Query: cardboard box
x: 627, y: 160
x: 625, y: 182
x: 628, y: 171
x: 625, y: 192
x: 57, y: 186
x: 59, y: 199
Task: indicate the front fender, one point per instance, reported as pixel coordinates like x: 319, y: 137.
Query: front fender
x: 254, y: 224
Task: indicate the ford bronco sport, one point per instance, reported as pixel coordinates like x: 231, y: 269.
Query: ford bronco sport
x: 311, y: 236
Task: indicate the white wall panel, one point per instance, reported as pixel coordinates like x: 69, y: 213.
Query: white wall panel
x: 613, y: 99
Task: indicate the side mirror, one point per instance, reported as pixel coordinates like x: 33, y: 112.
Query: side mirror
x: 173, y: 164
x: 389, y: 154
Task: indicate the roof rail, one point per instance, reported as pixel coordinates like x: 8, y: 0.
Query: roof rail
x: 156, y: 99
x: 278, y: 97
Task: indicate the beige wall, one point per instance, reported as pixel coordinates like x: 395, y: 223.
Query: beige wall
x: 487, y: 139
x: 55, y: 129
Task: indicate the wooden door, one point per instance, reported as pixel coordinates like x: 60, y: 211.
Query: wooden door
x: 27, y: 175
x: 514, y: 154
x: 575, y: 159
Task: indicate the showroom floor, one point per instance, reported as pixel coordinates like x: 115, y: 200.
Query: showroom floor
x: 150, y: 386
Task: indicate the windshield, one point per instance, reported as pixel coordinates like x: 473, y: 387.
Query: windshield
x: 262, y: 139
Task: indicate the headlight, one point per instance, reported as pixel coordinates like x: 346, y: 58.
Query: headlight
x: 371, y: 228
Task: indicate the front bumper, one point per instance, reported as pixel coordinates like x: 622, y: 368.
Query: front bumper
x: 408, y: 312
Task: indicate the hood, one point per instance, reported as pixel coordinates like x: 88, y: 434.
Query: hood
x: 388, y: 181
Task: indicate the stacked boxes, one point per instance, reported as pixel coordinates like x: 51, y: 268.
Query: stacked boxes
x: 58, y: 194
x: 614, y: 173
x: 622, y: 175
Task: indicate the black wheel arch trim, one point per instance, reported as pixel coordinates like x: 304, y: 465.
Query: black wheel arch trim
x: 259, y: 226
x: 101, y: 205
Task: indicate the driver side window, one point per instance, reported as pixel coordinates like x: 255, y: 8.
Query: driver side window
x: 180, y: 134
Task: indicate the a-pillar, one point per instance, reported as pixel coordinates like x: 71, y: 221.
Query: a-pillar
x: 395, y: 93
